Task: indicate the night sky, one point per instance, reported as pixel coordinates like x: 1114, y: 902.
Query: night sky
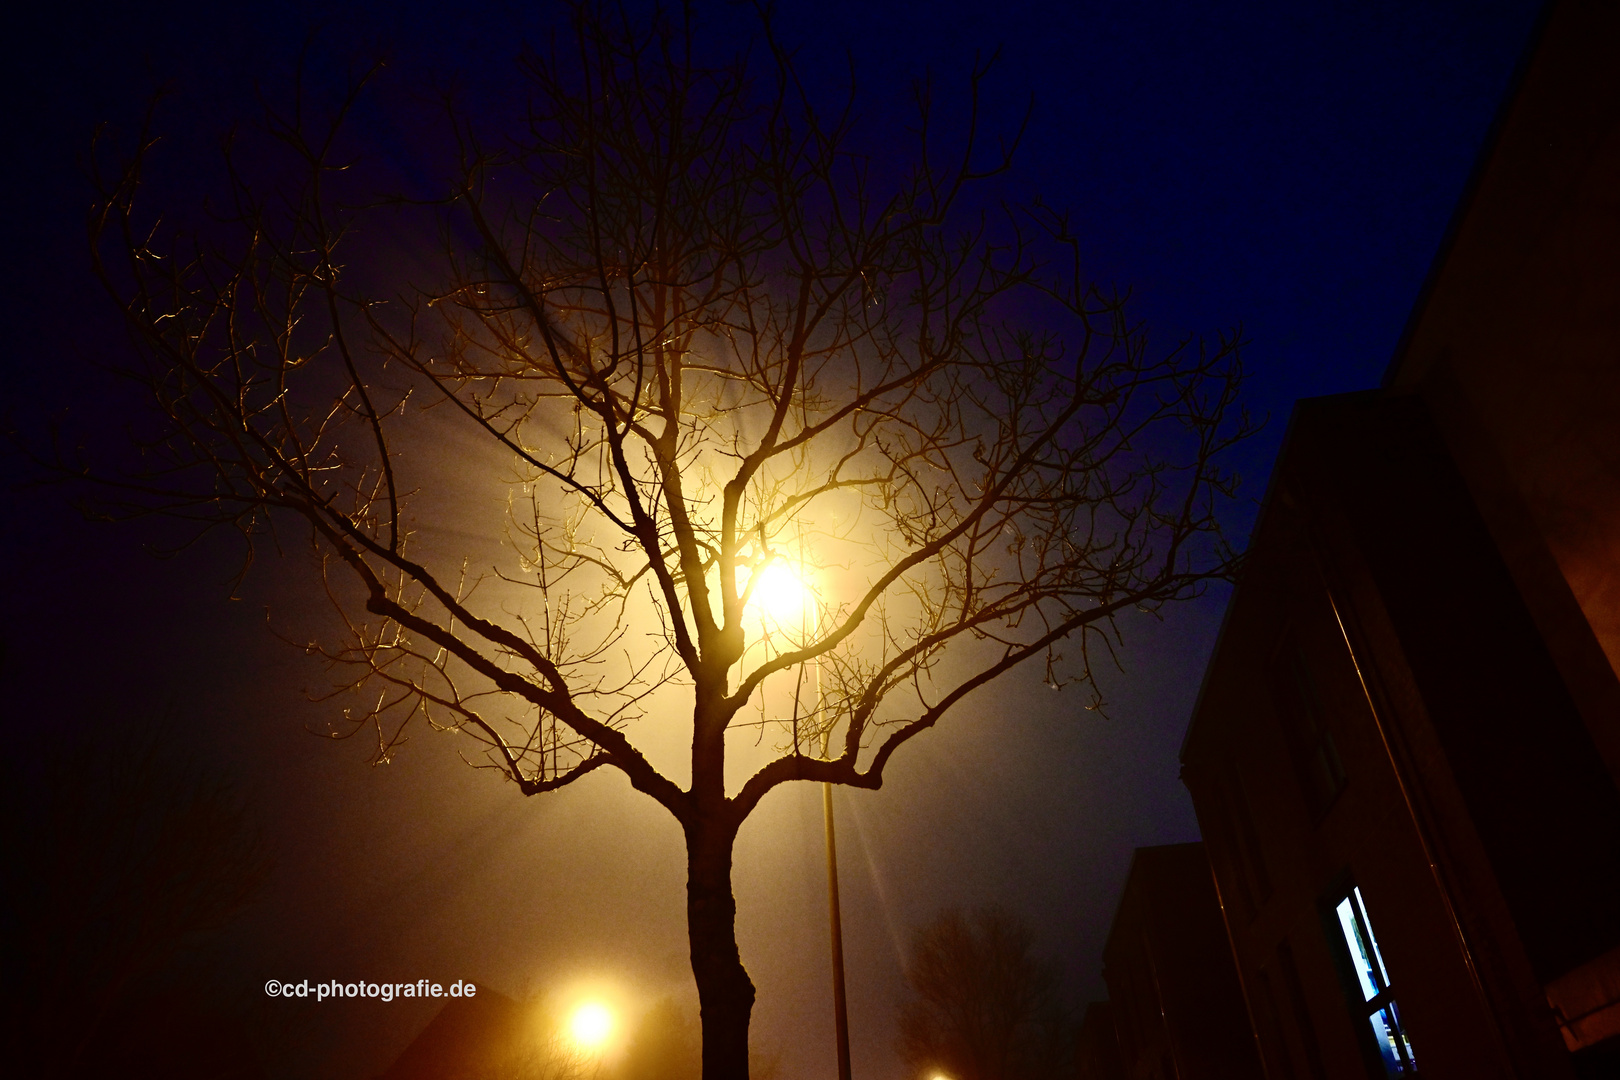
x: 1287, y: 167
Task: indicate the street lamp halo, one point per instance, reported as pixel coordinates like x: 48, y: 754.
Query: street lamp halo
x: 591, y: 1025
x: 781, y: 595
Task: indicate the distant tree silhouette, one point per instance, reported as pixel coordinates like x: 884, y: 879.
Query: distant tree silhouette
x: 682, y: 333
x: 539, y: 1050
x: 981, y: 1006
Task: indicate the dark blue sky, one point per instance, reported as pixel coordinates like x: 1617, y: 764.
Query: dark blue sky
x: 1290, y: 167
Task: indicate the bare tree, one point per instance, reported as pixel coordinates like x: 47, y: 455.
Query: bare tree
x: 690, y: 348
x: 981, y: 1007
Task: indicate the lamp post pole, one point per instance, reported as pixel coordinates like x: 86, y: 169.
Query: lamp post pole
x: 840, y: 1006
x: 835, y: 920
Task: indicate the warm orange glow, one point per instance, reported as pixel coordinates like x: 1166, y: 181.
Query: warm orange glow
x: 591, y: 1025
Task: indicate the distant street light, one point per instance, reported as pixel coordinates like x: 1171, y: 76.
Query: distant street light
x: 591, y: 1025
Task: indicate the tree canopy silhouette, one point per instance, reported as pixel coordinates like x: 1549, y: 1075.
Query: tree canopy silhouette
x: 696, y: 417
x: 981, y: 1006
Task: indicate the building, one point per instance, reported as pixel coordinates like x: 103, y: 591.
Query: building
x: 1405, y: 759
x: 472, y: 1038
x: 1174, y: 1004
x: 1097, y: 1044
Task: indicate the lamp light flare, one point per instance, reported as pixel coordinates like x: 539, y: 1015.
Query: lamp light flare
x: 591, y: 1025
x: 779, y: 593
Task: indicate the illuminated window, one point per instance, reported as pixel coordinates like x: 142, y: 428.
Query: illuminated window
x: 1377, y: 1002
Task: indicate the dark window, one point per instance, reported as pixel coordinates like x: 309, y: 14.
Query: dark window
x: 1233, y: 847
x: 1372, y: 999
x: 1310, y: 744
x: 1302, y: 1012
x: 1269, y: 1019
x: 1248, y: 838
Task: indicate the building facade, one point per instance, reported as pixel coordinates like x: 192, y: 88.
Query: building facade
x: 1175, y: 1009
x: 1406, y: 755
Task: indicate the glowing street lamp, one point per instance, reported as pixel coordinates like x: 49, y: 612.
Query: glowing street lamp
x: 590, y: 1026
x: 782, y: 596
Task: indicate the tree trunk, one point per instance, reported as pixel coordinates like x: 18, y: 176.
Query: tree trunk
x: 725, y: 993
